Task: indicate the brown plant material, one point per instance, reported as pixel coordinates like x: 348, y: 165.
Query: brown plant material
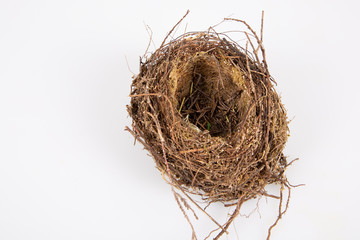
x: 207, y: 111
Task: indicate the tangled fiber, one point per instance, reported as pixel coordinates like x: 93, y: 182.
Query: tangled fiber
x: 207, y: 111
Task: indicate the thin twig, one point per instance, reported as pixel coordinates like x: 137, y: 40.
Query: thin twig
x: 162, y: 44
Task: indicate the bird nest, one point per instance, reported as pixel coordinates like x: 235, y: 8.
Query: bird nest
x: 207, y: 111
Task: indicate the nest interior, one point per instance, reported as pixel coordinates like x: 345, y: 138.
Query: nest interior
x: 209, y: 93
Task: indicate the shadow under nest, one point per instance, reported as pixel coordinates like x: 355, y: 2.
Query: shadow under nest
x: 207, y: 111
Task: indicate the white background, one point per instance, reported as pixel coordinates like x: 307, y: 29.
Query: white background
x: 68, y: 170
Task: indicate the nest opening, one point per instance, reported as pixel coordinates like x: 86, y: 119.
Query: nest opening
x: 207, y: 93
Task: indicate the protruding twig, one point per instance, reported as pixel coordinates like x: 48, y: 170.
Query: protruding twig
x: 162, y: 44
